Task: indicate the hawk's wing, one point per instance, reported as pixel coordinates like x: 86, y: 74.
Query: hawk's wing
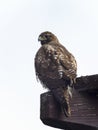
x: 63, y: 60
x: 69, y: 64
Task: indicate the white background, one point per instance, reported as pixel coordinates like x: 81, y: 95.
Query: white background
x: 75, y: 23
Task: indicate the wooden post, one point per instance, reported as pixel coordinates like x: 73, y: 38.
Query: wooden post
x: 84, y: 107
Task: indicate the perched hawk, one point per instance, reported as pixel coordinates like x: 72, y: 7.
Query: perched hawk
x: 56, y: 68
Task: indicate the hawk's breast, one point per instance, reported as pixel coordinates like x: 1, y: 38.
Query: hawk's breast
x: 44, y: 65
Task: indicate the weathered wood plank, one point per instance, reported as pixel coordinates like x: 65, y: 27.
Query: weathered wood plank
x: 84, y: 107
x: 89, y: 83
x: 84, y: 112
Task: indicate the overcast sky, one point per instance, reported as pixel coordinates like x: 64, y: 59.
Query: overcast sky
x: 75, y: 23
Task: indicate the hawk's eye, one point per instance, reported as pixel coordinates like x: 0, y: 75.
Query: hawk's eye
x: 47, y: 36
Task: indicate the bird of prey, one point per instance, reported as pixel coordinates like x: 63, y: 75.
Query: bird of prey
x: 56, y: 68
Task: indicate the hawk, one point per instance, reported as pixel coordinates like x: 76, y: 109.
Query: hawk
x: 56, y: 68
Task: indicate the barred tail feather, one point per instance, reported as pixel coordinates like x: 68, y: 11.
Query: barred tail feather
x: 63, y: 97
x: 67, y: 112
x: 67, y: 95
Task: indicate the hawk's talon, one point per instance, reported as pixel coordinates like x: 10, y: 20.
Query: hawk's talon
x: 60, y: 74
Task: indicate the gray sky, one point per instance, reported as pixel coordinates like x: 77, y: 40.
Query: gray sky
x: 75, y: 22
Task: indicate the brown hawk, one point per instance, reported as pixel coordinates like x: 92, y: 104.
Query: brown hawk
x: 56, y: 68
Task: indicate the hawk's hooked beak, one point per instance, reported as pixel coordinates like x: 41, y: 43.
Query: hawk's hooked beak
x: 41, y: 38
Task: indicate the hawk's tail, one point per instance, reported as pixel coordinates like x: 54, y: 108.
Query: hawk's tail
x: 67, y: 112
x: 66, y: 104
x: 63, y: 97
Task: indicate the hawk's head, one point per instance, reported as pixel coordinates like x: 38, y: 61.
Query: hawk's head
x: 46, y: 37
